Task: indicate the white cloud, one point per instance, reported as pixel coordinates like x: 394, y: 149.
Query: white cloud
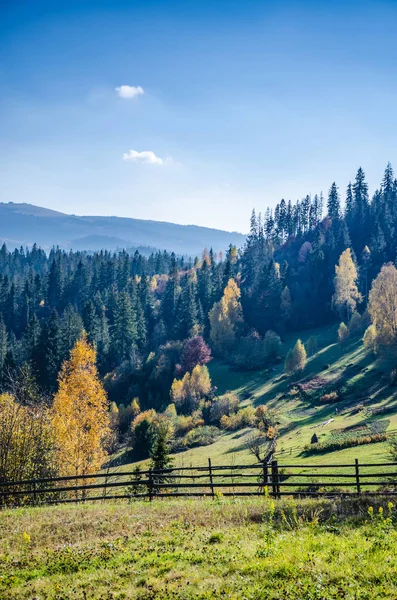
x: 146, y: 157
x: 129, y: 91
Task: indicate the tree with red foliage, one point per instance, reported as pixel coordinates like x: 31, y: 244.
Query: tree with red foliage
x: 195, y: 352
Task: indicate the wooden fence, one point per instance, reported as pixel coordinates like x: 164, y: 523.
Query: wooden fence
x: 233, y: 480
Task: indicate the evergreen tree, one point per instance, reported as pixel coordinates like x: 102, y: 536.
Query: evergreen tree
x: 3, y: 346
x: 54, y: 285
x: 124, y: 330
x: 91, y: 322
x: 333, y: 205
x: 48, y: 355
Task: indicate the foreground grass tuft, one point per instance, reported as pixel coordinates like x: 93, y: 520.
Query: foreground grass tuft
x: 253, y: 549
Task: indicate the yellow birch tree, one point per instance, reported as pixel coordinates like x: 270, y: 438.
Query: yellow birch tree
x: 382, y: 307
x: 226, y: 316
x: 81, y: 413
x: 346, y: 293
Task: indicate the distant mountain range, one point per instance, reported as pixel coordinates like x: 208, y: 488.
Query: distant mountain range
x: 26, y: 224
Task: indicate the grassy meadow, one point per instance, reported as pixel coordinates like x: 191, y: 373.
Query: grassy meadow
x: 368, y: 401
x: 223, y: 548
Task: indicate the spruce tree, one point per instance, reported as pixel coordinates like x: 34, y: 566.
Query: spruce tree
x: 333, y: 206
x: 124, y: 330
x: 48, y: 354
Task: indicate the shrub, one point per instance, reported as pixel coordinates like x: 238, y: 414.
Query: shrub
x: 272, y: 345
x: 254, y: 352
x: 224, y: 405
x: 312, y: 345
x: 314, y: 439
x: 331, y: 446
x: 343, y: 333
x: 295, y: 361
x: 355, y: 324
x: 201, y: 436
x: 369, y: 338
x: 243, y: 418
x: 330, y: 398
x: 393, y: 376
x: 141, y: 434
x: 250, y: 353
x: 188, y: 392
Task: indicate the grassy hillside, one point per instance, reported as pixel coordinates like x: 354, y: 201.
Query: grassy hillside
x: 368, y: 401
x: 205, y: 549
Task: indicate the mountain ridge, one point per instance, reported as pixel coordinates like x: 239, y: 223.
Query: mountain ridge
x: 25, y: 224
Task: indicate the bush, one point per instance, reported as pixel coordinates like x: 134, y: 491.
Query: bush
x: 331, y: 446
x: 243, y: 418
x: 225, y: 405
x: 369, y: 338
x: 141, y: 434
x: 355, y: 324
x: 250, y: 353
x: 343, y: 333
x: 254, y: 352
x: 312, y: 345
x: 295, y: 361
x: 188, y: 392
x: 272, y: 345
x: 330, y: 398
x: 314, y: 439
x: 201, y: 436
x: 393, y: 376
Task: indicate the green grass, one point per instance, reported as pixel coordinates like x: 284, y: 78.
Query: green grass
x: 251, y: 549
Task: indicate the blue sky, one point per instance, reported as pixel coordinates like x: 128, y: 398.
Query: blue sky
x: 243, y: 103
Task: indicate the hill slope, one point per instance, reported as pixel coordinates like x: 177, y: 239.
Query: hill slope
x: 25, y: 224
x: 368, y: 405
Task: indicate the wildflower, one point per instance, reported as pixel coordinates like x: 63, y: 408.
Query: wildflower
x: 26, y: 538
x: 380, y: 510
x: 371, y: 511
x: 390, y: 506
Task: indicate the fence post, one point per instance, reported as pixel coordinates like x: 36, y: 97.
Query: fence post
x: 357, y: 477
x: 34, y: 492
x: 265, y: 476
x: 150, y: 485
x: 275, y: 488
x: 211, y: 480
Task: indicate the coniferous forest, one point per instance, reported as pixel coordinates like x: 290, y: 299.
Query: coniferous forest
x: 155, y: 321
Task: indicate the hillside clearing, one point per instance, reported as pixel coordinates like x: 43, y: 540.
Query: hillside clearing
x: 368, y: 392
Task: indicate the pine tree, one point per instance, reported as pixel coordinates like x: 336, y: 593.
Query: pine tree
x: 124, y: 331
x: 48, y: 354
x: 333, y: 205
x: 71, y: 328
x: 91, y: 322
x: 360, y: 223
x: 170, y: 299
x: 3, y: 346
x: 103, y: 341
x: 187, y: 323
x: 160, y: 453
x: 54, y: 285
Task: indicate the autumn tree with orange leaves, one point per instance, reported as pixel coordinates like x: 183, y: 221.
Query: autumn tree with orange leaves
x: 80, y: 413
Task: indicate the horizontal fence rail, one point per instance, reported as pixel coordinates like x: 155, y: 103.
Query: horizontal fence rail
x: 271, y: 478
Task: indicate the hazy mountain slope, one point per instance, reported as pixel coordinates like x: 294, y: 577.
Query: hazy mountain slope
x: 24, y: 224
